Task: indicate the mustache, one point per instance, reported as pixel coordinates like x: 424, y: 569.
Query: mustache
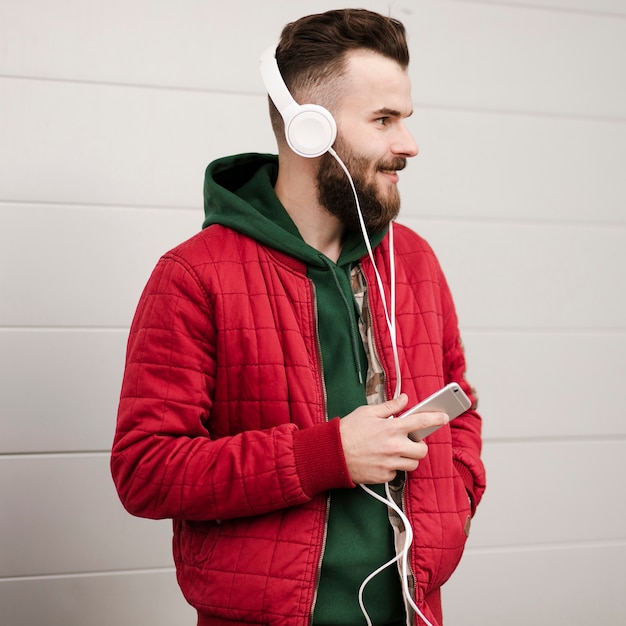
x: 395, y: 165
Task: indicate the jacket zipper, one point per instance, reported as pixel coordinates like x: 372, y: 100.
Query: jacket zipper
x: 412, y: 583
x: 318, y: 573
x: 319, y: 563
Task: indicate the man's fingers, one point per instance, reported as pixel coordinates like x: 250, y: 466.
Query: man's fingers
x: 391, y: 407
x: 418, y: 421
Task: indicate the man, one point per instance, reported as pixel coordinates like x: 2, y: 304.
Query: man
x: 261, y: 371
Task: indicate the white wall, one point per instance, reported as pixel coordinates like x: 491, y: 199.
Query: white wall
x: 109, y: 112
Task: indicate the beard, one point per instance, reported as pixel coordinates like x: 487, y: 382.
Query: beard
x: 336, y: 196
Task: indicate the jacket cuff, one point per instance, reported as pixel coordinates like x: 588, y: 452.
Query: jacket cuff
x: 320, y: 461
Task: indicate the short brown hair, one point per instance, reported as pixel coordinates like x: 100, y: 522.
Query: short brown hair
x: 312, y: 52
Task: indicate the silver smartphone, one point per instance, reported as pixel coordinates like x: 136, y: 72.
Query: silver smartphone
x: 451, y: 400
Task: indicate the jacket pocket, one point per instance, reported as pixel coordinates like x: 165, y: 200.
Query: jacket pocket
x: 440, y: 529
x: 455, y: 533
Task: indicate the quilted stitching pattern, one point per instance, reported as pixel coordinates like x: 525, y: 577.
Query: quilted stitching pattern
x: 222, y: 396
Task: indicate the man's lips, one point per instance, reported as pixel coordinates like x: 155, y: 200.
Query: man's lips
x: 392, y: 175
x: 390, y: 170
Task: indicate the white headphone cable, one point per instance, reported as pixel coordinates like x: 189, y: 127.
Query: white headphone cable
x: 391, y: 325
x: 390, y: 318
x: 403, y: 557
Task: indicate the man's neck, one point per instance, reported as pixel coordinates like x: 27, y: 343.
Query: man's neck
x: 297, y: 191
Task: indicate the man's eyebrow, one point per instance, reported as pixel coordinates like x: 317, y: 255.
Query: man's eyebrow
x: 391, y: 112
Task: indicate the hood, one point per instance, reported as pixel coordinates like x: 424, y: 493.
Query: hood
x: 239, y: 194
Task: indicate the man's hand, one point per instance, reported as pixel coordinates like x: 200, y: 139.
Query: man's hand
x: 376, y: 447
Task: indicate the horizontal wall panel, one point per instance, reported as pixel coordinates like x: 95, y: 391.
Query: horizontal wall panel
x: 547, y: 586
x: 529, y: 385
x: 472, y: 54
x: 611, y: 7
x: 91, y: 271
x: 537, y: 493
x: 480, y: 165
x: 502, y: 275
x: 186, y: 45
x: 59, y: 389
x: 61, y: 515
x: 573, y: 585
x: 118, y: 599
x: 550, y: 385
x: 508, y: 57
x: 102, y: 144
x: 552, y: 492
x: 532, y: 276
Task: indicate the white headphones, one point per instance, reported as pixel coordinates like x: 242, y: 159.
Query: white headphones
x: 310, y: 129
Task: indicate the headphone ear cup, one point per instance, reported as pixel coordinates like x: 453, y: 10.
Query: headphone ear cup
x: 310, y: 130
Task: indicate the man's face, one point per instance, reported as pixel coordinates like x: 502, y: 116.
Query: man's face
x: 373, y: 142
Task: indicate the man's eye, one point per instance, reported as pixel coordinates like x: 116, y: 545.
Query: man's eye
x: 382, y: 121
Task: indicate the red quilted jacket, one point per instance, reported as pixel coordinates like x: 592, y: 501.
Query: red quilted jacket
x: 243, y: 340
x: 222, y: 424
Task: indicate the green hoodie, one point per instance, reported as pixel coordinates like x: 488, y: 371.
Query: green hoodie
x: 239, y: 194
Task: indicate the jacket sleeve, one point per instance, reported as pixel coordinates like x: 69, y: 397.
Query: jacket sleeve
x: 164, y: 461
x: 465, y: 429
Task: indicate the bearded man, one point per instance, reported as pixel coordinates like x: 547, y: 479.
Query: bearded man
x: 268, y: 352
